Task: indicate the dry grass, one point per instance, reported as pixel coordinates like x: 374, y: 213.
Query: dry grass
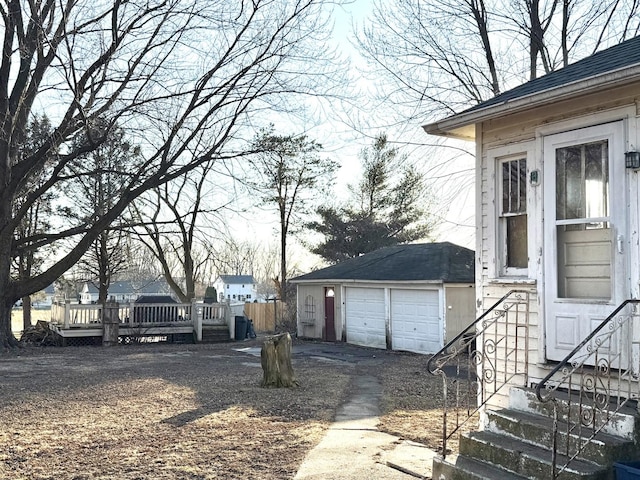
x: 185, y: 411
x: 413, y: 404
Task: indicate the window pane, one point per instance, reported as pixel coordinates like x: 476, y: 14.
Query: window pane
x: 582, y: 181
x: 596, y: 180
x: 505, y: 186
x: 517, y: 256
x: 569, y: 183
x: 514, y: 186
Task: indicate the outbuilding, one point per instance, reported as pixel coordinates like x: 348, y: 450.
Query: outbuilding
x: 406, y: 297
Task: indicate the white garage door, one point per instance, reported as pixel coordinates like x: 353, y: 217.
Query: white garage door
x: 364, y: 311
x: 415, y: 321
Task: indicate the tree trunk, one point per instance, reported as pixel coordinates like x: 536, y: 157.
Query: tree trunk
x: 26, y: 313
x: 7, y: 339
x: 276, y: 362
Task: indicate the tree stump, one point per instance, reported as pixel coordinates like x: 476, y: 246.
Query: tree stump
x: 276, y: 362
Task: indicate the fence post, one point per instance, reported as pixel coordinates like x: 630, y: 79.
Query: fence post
x: 67, y: 313
x: 227, y: 317
x: 196, y: 318
x: 110, y: 325
x: 131, y: 313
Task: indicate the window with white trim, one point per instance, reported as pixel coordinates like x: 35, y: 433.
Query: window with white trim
x: 309, y: 310
x: 512, y: 216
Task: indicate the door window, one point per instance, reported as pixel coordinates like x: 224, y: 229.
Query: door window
x: 584, y: 242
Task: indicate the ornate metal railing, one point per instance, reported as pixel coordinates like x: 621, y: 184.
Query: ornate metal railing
x: 593, y: 384
x: 483, y: 359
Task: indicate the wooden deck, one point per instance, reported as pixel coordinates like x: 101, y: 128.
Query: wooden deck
x: 72, y: 320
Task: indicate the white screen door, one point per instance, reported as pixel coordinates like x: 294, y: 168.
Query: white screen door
x: 584, y: 233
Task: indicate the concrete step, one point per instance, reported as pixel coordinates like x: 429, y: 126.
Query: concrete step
x: 623, y: 423
x: 536, y: 429
x: 459, y: 467
x: 531, y: 461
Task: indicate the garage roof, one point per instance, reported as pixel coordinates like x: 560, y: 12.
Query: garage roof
x: 443, y: 261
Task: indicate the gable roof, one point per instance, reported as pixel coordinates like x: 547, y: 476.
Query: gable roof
x: 614, y: 66
x: 444, y: 262
x: 237, y: 279
x: 131, y: 287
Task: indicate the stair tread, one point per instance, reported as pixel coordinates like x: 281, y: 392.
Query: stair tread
x: 630, y: 409
x: 543, y: 421
x: 537, y: 453
x: 478, y: 469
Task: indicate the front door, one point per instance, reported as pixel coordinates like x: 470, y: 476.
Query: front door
x: 584, y: 233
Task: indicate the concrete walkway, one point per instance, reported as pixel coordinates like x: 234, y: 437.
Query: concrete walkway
x: 353, y: 448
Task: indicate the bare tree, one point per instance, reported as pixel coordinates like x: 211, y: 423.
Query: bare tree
x: 183, y: 77
x: 442, y: 56
x: 290, y: 176
x: 171, y: 221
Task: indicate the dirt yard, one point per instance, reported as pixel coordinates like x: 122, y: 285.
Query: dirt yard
x: 157, y: 411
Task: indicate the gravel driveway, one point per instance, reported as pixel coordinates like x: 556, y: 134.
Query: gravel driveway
x: 158, y: 411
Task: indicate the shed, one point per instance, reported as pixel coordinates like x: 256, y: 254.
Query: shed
x: 406, y: 297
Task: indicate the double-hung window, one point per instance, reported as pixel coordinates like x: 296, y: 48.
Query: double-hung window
x: 512, y: 215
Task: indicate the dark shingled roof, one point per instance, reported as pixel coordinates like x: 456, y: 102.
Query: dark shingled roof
x: 237, y: 279
x: 414, y: 262
x: 617, y: 57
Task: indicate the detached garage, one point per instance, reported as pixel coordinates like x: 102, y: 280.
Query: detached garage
x: 407, y: 297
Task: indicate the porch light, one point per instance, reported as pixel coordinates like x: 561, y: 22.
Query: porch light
x: 632, y: 159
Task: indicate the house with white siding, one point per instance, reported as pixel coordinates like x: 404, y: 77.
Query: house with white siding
x: 557, y: 273
x: 236, y: 288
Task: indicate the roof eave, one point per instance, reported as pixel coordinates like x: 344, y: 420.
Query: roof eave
x: 363, y: 280
x: 457, y: 126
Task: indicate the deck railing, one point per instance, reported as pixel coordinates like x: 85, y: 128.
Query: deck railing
x: 597, y: 380
x: 482, y: 360
x: 67, y: 315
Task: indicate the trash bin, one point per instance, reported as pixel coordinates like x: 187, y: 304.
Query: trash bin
x: 627, y: 470
x: 241, y: 327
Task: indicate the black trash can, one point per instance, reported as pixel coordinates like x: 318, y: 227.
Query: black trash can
x: 241, y: 327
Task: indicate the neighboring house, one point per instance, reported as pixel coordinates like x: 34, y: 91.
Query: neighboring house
x: 236, y: 288
x: 125, y: 292
x: 558, y: 217
x: 405, y: 297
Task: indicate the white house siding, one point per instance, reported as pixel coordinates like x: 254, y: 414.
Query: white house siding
x: 520, y: 129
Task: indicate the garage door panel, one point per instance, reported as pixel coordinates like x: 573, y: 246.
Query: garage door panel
x: 365, y: 317
x: 415, y: 320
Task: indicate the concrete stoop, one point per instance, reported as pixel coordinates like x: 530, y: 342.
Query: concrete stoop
x: 516, y: 444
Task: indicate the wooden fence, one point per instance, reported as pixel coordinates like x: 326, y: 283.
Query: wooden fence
x: 265, y: 316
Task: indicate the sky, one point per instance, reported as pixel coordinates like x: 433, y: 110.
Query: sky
x: 344, y: 145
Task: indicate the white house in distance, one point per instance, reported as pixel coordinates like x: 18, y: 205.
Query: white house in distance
x: 236, y: 288
x: 558, y: 273
x: 412, y: 297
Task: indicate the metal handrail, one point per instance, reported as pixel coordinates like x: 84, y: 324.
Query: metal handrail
x: 485, y: 362
x: 588, y: 376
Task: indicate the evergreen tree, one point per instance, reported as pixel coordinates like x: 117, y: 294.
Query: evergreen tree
x: 387, y: 207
